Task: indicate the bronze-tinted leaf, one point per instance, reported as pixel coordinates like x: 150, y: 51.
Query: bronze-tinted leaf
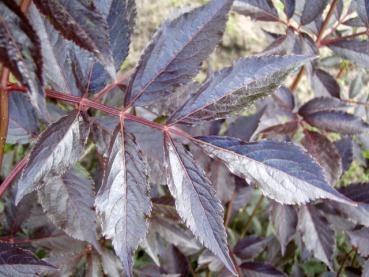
x: 174, y: 56
x: 20, y: 51
x: 56, y: 150
x: 123, y: 202
x: 196, y: 202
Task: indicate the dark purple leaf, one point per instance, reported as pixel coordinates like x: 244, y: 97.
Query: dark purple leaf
x: 358, y: 192
x: 57, y: 149
x: 319, y: 104
x: 338, y: 122
x: 316, y: 233
x: 196, y: 202
x: 284, y: 219
x: 120, y: 15
x: 244, y: 127
x: 250, y: 247
x: 173, y: 57
x: 20, y: 51
x: 338, y: 10
x: 284, y: 98
x: 344, y: 147
x: 23, y: 122
x: 360, y: 239
x: 356, y: 51
x: 254, y: 269
x: 354, y: 22
x: 325, y: 153
x: 233, y: 89
x: 122, y: 201
x: 175, y: 262
x: 19, y: 262
x: 324, y: 84
x: 263, y: 10
x: 282, y: 45
x: 283, y: 171
x: 362, y: 8
x: 81, y: 22
x: 312, y: 9
x: 289, y: 7
x: 287, y: 128
x: 68, y: 201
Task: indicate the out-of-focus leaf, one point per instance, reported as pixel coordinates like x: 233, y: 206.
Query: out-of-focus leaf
x: 234, y: 88
x: 358, y: 192
x: 68, y: 201
x: 196, y: 202
x: 360, y: 239
x: 174, y: 262
x: 311, y: 10
x: 173, y: 57
x: 250, y: 247
x: 284, y: 98
x: 362, y: 8
x: 319, y: 104
x: 20, y: 51
x: 244, y: 127
x: 344, y: 147
x: 253, y: 269
x: 356, y: 51
x: 93, y: 266
x: 284, y: 219
x: 82, y: 23
x: 354, y: 22
x: 324, y: 84
x: 56, y: 150
x: 120, y: 15
x: 287, y: 128
x: 122, y: 201
x: 337, y: 121
x: 326, y: 154
x: 289, y: 7
x: 112, y: 267
x: 263, y: 10
x: 19, y: 262
x: 283, y: 171
x: 282, y: 45
x: 23, y: 122
x: 317, y: 235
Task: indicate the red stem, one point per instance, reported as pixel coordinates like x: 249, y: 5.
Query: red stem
x: 12, y: 175
x: 330, y: 41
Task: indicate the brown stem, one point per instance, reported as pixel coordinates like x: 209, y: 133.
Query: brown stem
x: 12, y: 175
x: 228, y: 211
x: 334, y: 40
x: 297, y: 79
x: 25, y: 5
x: 4, y: 111
x: 342, y: 267
x: 251, y: 217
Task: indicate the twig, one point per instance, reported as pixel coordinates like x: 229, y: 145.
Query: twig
x: 4, y: 111
x: 12, y: 175
x: 342, y: 267
x: 251, y: 217
x: 228, y: 212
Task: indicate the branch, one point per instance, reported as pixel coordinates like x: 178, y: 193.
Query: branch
x: 4, y: 111
x: 334, y: 40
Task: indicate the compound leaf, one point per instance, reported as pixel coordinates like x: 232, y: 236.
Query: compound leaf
x: 20, y: 51
x: 317, y: 235
x: 19, y: 262
x: 174, y: 57
x: 68, y: 201
x: 122, y: 201
x: 283, y: 171
x: 81, y: 22
x: 234, y: 88
x: 56, y: 150
x: 196, y: 202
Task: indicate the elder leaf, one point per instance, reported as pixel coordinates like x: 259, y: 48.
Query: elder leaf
x: 196, y: 202
x: 311, y: 10
x: 250, y: 247
x: 284, y: 98
x: 319, y: 104
x: 56, y: 150
x: 356, y: 51
x: 263, y: 10
x: 173, y: 57
x: 360, y: 239
x: 317, y: 235
x: 289, y: 7
x: 338, y: 122
x: 81, y: 22
x: 20, y: 51
x: 326, y: 154
x: 324, y: 84
x: 284, y: 220
x: 120, y: 15
x: 256, y: 269
x: 362, y: 8
x: 234, y: 88
x: 68, y: 202
x: 19, y: 262
x: 283, y: 171
x: 344, y: 147
x: 23, y: 124
x: 122, y: 201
